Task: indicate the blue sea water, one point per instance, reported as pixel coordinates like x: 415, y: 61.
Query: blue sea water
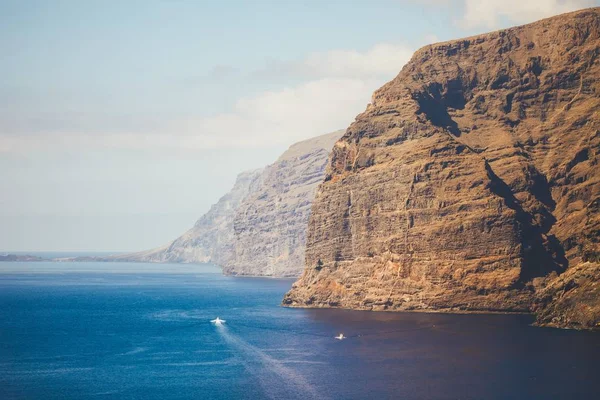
x: 138, y: 331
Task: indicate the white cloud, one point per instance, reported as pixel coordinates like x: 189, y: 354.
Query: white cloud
x: 382, y: 60
x: 431, y: 38
x: 340, y: 86
x: 285, y: 115
x: 489, y: 13
x: 270, y: 118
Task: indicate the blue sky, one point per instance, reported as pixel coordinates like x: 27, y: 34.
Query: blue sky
x: 122, y: 121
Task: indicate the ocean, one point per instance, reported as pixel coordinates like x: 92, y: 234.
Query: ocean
x: 142, y: 331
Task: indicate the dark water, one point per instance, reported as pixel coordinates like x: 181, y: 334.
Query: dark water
x: 128, y: 332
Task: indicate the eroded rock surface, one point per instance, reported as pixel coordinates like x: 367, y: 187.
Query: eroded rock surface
x: 211, y: 238
x: 259, y: 227
x: 572, y: 299
x: 270, y: 224
x: 471, y: 181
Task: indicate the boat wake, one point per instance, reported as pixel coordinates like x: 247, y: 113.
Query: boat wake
x: 276, y: 379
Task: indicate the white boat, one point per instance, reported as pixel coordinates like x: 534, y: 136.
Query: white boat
x: 218, y: 321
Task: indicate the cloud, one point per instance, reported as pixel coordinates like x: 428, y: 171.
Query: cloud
x: 292, y: 113
x: 270, y: 118
x: 384, y: 59
x: 490, y: 13
x: 337, y: 86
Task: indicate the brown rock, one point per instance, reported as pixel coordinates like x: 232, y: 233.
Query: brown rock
x: 470, y: 181
x: 572, y: 299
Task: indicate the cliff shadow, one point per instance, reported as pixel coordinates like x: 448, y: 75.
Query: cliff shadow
x: 541, y: 253
x: 436, y: 111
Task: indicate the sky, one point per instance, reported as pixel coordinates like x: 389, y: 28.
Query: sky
x: 121, y: 122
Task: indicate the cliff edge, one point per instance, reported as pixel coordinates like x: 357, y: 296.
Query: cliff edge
x: 211, y: 238
x: 470, y: 183
x: 270, y: 224
x: 259, y: 227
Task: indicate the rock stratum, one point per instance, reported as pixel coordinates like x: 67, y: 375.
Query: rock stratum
x: 259, y: 227
x: 211, y: 238
x: 470, y: 183
x: 270, y: 224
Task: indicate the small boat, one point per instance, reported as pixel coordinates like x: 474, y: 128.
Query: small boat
x: 218, y: 321
x: 340, y: 337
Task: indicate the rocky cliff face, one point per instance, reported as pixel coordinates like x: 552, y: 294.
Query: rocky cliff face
x: 270, y: 224
x: 471, y: 182
x: 211, y: 239
x: 259, y: 227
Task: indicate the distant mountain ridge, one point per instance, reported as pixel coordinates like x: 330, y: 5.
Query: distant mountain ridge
x: 8, y: 257
x: 259, y: 227
x: 270, y: 224
x: 211, y: 237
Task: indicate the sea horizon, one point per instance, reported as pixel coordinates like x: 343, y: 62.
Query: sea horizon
x: 68, y: 327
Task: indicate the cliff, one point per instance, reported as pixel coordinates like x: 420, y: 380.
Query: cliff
x: 270, y: 224
x: 470, y: 183
x: 211, y: 238
x: 259, y: 227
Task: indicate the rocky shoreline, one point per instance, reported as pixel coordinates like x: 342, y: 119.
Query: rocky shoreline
x: 471, y: 182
